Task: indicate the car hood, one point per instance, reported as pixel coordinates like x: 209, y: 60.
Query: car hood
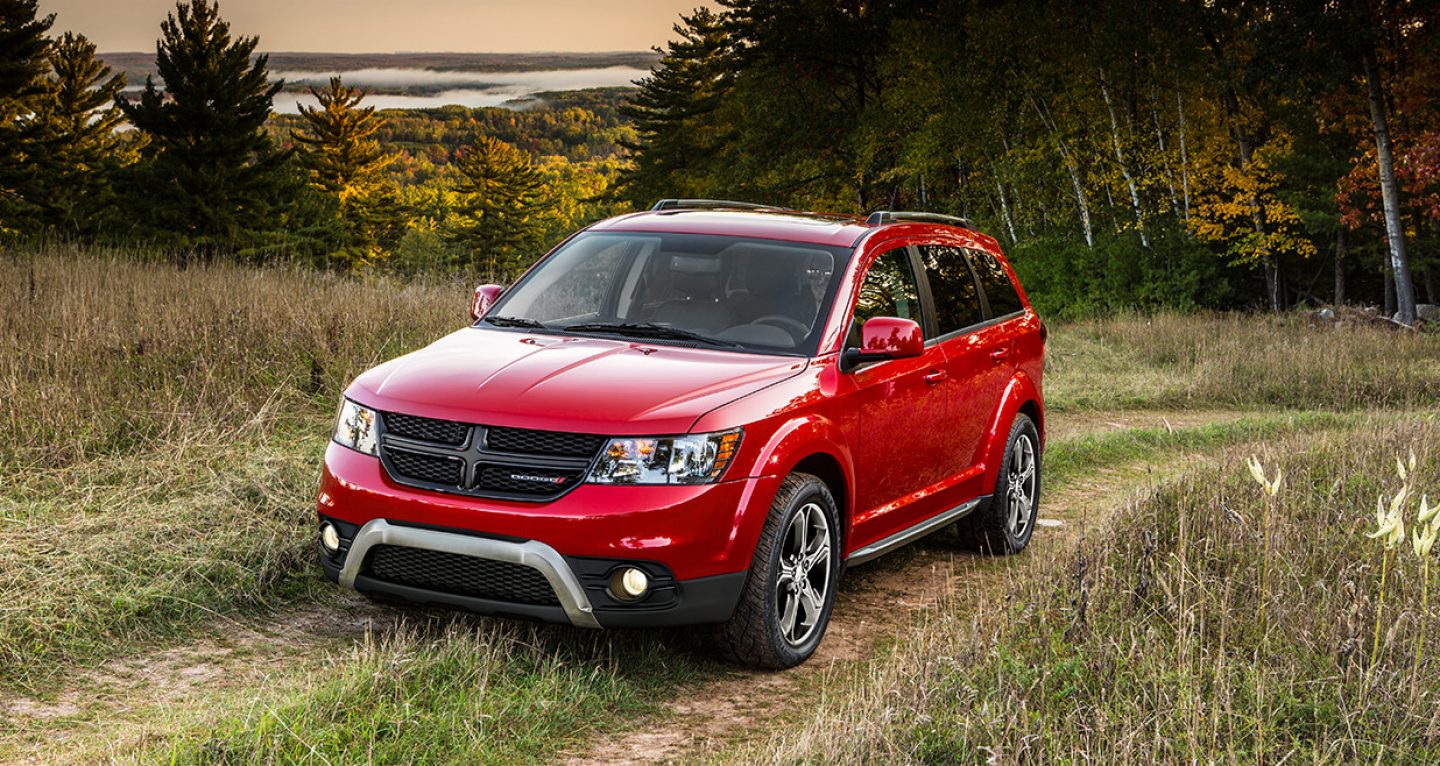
x: 560, y: 383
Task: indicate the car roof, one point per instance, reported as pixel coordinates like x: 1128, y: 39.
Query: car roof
x: 787, y: 225
x: 833, y: 229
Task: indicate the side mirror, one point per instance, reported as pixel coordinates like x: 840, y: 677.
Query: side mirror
x: 485, y: 297
x: 884, y: 338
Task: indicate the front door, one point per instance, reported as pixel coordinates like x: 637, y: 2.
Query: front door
x: 901, y: 450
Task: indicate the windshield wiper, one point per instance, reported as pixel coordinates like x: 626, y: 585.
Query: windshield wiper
x: 647, y: 330
x: 515, y: 322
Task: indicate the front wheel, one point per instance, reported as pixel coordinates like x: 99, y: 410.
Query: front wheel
x: 785, y: 607
x: 1004, y: 526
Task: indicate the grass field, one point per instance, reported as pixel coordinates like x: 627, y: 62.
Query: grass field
x: 1199, y: 625
x: 160, y: 431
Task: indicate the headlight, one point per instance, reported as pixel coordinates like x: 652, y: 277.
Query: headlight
x: 356, y: 428
x: 693, y: 459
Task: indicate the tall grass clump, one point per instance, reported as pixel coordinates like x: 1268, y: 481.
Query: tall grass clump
x: 1145, y: 643
x: 161, y: 427
x: 108, y: 355
x: 1236, y: 360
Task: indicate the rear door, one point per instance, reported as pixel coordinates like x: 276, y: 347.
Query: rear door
x: 978, y: 361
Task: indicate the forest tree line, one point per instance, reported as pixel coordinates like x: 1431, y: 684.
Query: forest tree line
x: 197, y: 164
x: 1128, y: 153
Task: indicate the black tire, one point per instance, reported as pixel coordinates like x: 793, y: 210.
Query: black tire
x: 992, y: 528
x: 756, y: 634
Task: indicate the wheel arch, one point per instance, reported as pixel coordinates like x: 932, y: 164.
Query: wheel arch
x: 809, y: 444
x: 827, y: 468
x: 1031, y: 408
x: 1021, y: 396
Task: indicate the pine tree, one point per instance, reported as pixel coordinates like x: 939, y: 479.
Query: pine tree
x: 212, y: 177
x: 22, y: 66
x: 78, y: 121
x: 672, y: 112
x: 500, y: 213
x: 342, y: 159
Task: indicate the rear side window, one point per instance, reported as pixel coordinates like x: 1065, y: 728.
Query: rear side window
x: 999, y: 290
x: 888, y: 291
x: 957, y: 302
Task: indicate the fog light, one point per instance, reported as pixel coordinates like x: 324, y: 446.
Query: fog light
x: 329, y: 537
x: 629, y: 584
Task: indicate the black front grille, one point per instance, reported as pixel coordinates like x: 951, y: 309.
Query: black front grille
x: 525, y: 481
x: 436, y: 469
x: 461, y: 575
x: 502, y: 463
x: 543, y: 442
x: 426, y: 429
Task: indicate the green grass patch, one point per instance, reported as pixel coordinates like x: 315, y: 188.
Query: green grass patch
x: 1068, y: 458
x: 458, y: 690
x: 112, y: 555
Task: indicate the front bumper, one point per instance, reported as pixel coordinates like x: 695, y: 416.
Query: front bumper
x: 689, y: 602
x: 530, y: 553
x: 694, y: 541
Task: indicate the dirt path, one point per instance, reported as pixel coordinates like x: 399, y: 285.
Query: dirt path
x: 877, y: 600
x: 137, y: 697
x: 141, y: 697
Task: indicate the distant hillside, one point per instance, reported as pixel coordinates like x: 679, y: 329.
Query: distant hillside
x: 138, y: 64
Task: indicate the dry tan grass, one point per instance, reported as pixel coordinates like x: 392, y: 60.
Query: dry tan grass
x: 1143, y: 645
x: 108, y: 355
x: 160, y: 429
x: 1236, y: 360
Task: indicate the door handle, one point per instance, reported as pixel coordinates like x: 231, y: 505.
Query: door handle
x: 934, y: 376
x: 1000, y: 354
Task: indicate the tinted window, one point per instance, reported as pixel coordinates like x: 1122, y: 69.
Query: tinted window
x: 888, y: 291
x: 999, y: 290
x: 957, y: 303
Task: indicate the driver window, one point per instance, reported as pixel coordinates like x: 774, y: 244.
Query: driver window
x: 889, y: 290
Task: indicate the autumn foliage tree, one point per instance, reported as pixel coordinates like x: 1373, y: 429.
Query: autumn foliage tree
x: 1240, y: 209
x: 342, y: 159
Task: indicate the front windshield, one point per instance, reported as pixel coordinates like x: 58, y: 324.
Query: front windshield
x: 691, y: 289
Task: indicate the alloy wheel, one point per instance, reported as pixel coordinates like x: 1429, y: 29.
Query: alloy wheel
x: 1021, y: 487
x: 804, y: 578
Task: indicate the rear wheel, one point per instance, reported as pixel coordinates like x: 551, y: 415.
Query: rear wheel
x: 1004, y: 526
x: 785, y: 607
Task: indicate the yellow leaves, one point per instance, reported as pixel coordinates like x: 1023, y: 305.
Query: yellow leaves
x: 1423, y: 542
x: 1257, y: 471
x: 1390, y: 524
x: 1241, y: 208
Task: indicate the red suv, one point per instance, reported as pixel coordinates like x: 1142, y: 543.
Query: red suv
x: 697, y: 414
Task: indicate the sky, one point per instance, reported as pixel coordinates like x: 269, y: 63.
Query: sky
x: 385, y: 26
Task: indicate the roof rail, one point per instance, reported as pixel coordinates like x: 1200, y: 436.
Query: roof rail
x: 882, y: 217
x: 710, y: 204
